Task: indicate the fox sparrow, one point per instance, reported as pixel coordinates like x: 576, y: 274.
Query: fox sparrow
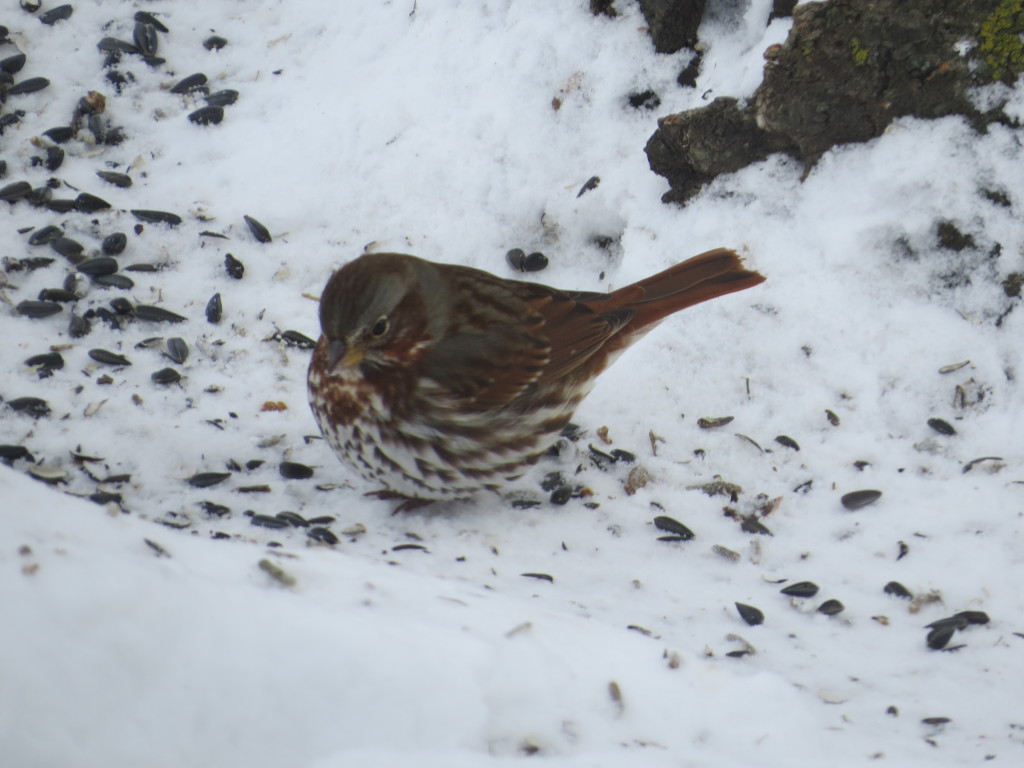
x: 435, y: 381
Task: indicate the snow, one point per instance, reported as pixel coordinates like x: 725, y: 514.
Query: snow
x: 430, y: 128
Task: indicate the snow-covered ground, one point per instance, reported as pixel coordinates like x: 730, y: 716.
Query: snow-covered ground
x: 431, y: 128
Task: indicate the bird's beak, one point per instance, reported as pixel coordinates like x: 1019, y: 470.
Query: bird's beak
x: 339, y: 353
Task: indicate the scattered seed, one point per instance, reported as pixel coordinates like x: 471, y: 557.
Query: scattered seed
x: 942, y: 427
x: 535, y: 262
x: 516, y: 259
x: 936, y: 720
x: 260, y: 232
x: 191, y: 83
x: 831, y: 607
x: 35, y: 407
x: 214, y: 309
x: 750, y: 524
x: 832, y: 418
x: 63, y: 205
x: 176, y: 349
x: 31, y: 85
x: 292, y: 470
x: 11, y: 453
x: 540, y: 576
x: 974, y: 617
x: 208, y: 115
x: 801, y: 589
x: 974, y: 462
x: 561, y: 495
x: 145, y: 37
x: 789, y: 442
x: 296, y: 339
x: 113, y: 45
x: 896, y: 589
x: 166, y: 376
x: 712, y: 423
x: 401, y: 547
x: 753, y: 616
x: 56, y: 14
x: 953, y: 367
x: 725, y: 552
x: 859, y: 499
x: 207, y: 479
x: 51, y: 360
x: 156, y: 217
x: 122, y: 180
x: 214, y: 510
x: 939, y: 637
x: 54, y: 160
x: 665, y: 523
x: 15, y: 191
x: 254, y: 489
x: 78, y: 327
x: 38, y: 309
x: 149, y: 18
x: 12, y: 64
x: 214, y: 43
x: 101, y: 265
x: 45, y: 235
x: 156, y: 314
x: 108, y: 358
x: 48, y: 475
x: 224, y: 98
x: 589, y: 184
x: 322, y: 536
x: 123, y: 282
x: 294, y: 519
x: 87, y: 203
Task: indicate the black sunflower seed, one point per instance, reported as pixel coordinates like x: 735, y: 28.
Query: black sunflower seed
x: 974, y: 617
x: 113, y: 45
x: 142, y: 267
x: 11, y: 453
x: 260, y: 232
x: 224, y: 98
x: 122, y: 306
x: 322, y: 535
x: 62, y: 205
x: 38, y: 309
x: 54, y: 15
x: 939, y: 637
x: 105, y: 497
x: 214, y: 43
x: 15, y: 191
x: 750, y: 524
x: 831, y: 607
x: 296, y: 339
x: 154, y: 314
x: 859, y: 499
x: 54, y: 160
x: 145, y: 38
x: 266, y: 521
x: 673, y: 526
x: 156, y: 217
x: 31, y: 85
x: 166, y: 376
x: 801, y: 589
x: 176, y: 349
x: 149, y: 18
x: 12, y: 64
x: 30, y: 263
x: 753, y: 616
x: 516, y: 259
x: 322, y: 520
x: 293, y: 518
x: 108, y: 358
x: 114, y: 243
x: 292, y: 470
x: 207, y: 479
x: 101, y: 265
x: 45, y: 235
x: 87, y: 203
x: 39, y: 196
x: 539, y: 576
x: 122, y: 180
x: 789, y: 442
x: 115, y: 281
x: 62, y: 295
x: 561, y: 495
x: 208, y: 115
x: 214, y: 510
x: 59, y: 135
x: 190, y: 83
x: 589, y: 184
x: 625, y: 456
x: 78, y: 327
x: 68, y: 248
x: 214, y: 309
x: 896, y: 589
x: 535, y: 262
x: 33, y: 406
x: 956, y: 621
x: 234, y: 267
x: 46, y: 360
x: 942, y: 427
x: 11, y: 118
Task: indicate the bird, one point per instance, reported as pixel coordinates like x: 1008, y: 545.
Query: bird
x: 438, y: 381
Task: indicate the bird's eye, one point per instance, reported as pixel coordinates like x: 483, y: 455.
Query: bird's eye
x: 380, y: 327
